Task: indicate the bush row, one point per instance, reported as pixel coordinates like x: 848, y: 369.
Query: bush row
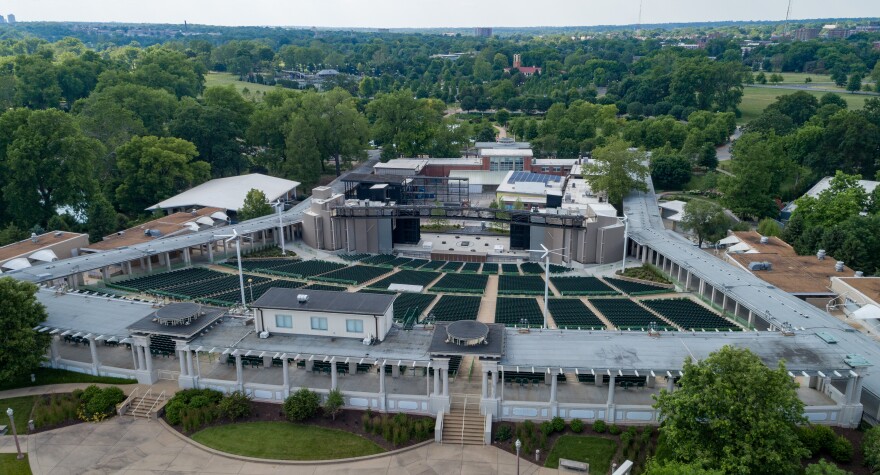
x: 193, y: 409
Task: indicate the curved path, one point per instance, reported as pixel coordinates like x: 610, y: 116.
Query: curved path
x: 138, y: 446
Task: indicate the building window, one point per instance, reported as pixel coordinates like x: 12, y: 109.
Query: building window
x: 284, y: 321
x: 319, y: 323
x: 354, y: 326
x: 557, y: 169
x: 545, y: 169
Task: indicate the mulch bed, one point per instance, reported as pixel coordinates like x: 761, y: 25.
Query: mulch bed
x: 857, y: 465
x: 348, y: 420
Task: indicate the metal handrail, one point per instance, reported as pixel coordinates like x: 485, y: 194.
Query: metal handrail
x: 146, y: 394
x: 160, y: 398
x: 130, y: 397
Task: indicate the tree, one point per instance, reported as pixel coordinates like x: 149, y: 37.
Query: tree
x: 21, y: 313
x: 301, y: 159
x: 871, y: 447
x: 824, y: 467
x: 769, y: 227
x: 669, y: 170
x: 734, y: 414
x: 100, y: 218
x: 36, y: 85
x: 154, y: 169
x: 333, y: 404
x: 255, y: 205
x: 759, y: 166
x: 617, y: 170
x: 708, y: 157
x: 12, y: 233
x: 799, y: 106
x: 706, y: 220
x: 854, y: 84
x: 301, y: 405
x: 844, y: 198
x: 340, y: 130
x: 678, y: 468
x: 403, y: 125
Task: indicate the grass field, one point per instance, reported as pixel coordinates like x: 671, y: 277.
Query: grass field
x: 9, y: 465
x: 21, y: 407
x: 756, y: 99
x: 225, y: 79
x: 596, y: 451
x: 46, y: 376
x: 285, y: 441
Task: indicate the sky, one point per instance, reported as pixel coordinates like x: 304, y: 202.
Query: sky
x: 429, y: 13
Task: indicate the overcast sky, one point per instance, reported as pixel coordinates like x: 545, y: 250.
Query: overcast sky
x: 429, y: 13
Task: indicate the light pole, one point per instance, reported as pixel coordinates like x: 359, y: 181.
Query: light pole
x: 251, y: 288
x: 625, y: 240
x: 14, y: 434
x: 518, y: 444
x: 237, y: 238
x: 546, y: 257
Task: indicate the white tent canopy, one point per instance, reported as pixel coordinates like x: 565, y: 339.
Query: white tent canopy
x: 15, y: 264
x: 44, y: 255
x: 867, y: 312
x: 741, y: 247
x: 729, y: 240
x: 229, y: 193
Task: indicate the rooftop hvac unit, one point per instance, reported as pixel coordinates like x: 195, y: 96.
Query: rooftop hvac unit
x: 302, y: 298
x: 264, y: 335
x: 755, y: 266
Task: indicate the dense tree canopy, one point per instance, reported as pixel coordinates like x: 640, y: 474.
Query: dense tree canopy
x: 22, y: 348
x: 616, y: 171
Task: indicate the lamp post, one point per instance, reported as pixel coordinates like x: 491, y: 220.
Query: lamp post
x: 280, y: 205
x: 518, y: 444
x: 546, y: 257
x: 14, y: 434
x: 625, y: 240
x: 237, y: 238
x: 251, y: 288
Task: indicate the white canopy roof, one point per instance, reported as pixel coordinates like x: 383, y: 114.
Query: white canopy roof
x: 17, y: 263
x: 228, y: 193
x: 44, y: 255
x: 869, y: 311
x: 206, y: 221
x: 741, y: 247
x: 729, y: 240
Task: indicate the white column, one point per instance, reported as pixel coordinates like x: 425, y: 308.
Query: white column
x: 285, y: 369
x: 436, y: 380
x: 182, y: 359
x: 382, y: 381
x: 239, y: 374
x: 850, y: 389
x: 94, y: 350
x: 445, y: 381
x: 211, y: 252
x: 53, y: 351
x: 611, y: 384
x: 186, y: 257
x: 670, y: 384
x: 142, y: 364
x: 149, y: 358
x: 149, y: 263
x: 494, y: 382
x: 333, y: 375
x: 189, y: 363
x: 134, y: 357
x: 484, y: 393
x: 168, y: 260
x: 553, y: 383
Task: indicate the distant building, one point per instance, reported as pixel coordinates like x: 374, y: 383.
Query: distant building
x: 2, y: 20
x: 482, y: 32
x: 525, y: 70
x: 818, y: 188
x: 531, y: 189
x: 806, y: 34
x: 48, y: 247
x: 834, y: 31
x: 10, y: 19
x: 229, y: 193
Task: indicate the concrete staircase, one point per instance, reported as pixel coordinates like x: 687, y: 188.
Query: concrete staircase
x: 464, y: 424
x: 146, y: 405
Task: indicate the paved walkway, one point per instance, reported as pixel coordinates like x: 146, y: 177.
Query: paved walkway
x: 131, y: 446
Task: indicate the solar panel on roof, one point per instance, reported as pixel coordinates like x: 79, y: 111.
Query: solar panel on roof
x: 523, y: 177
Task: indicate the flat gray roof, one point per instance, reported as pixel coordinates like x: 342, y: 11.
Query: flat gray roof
x: 91, y: 314
x: 398, y: 345
x: 146, y: 325
x: 637, y: 351
x: 326, y: 301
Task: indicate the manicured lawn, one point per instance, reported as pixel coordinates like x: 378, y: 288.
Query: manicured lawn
x: 225, y: 79
x: 596, y: 451
x: 21, y: 407
x: 285, y: 441
x: 9, y: 465
x: 756, y: 99
x: 46, y: 376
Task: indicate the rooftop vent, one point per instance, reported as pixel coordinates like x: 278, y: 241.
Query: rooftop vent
x: 58, y: 233
x: 838, y: 267
x: 764, y: 239
x: 302, y: 298
x: 34, y: 238
x: 859, y: 274
x: 821, y: 254
x: 754, y: 266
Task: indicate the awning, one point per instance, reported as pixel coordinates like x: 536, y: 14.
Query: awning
x: 729, y: 240
x: 741, y: 247
x: 17, y: 263
x: 44, y: 255
x: 867, y: 312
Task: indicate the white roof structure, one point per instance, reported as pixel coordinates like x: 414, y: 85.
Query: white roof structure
x: 823, y: 185
x: 676, y: 207
x: 229, y: 193
x: 44, y: 255
x: 17, y: 263
x: 867, y: 312
x: 506, y: 152
x: 565, y: 162
x: 411, y: 165
x: 480, y: 177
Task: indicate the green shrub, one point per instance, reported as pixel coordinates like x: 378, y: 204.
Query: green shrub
x: 301, y: 405
x: 367, y: 421
x: 173, y: 411
x: 235, y: 405
x: 825, y: 436
x: 810, y: 439
x: 528, y: 428
x: 626, y: 439
x: 546, y: 428
x: 646, y: 435
x: 824, y: 467
x: 841, y: 450
x: 503, y: 433
x: 614, y: 429
x: 558, y: 424
x: 200, y: 400
x: 576, y: 426
x: 333, y: 404
x: 377, y: 425
x: 871, y: 447
x: 97, y: 404
x: 600, y: 426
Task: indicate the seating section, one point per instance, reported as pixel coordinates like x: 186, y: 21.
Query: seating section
x: 490, y: 268
x: 162, y: 345
x: 408, y: 277
x: 398, y: 261
x: 461, y: 283
x: 167, y: 279
x: 251, y: 293
x: 531, y: 268
x: 636, y: 288
x: 353, y: 257
x: 305, y: 268
x: 208, y: 288
x: 409, y: 307
x: 332, y: 288
x: 378, y: 259
x: 376, y: 291
x: 689, y: 315
x: 354, y: 275
x: 433, y: 265
x: 557, y: 269
x: 510, y: 269
x: 520, y: 285
x: 626, y: 314
x: 572, y: 313
x: 524, y: 378
x: 471, y: 267
x: 451, y: 266
x: 582, y: 286
x: 451, y: 308
x: 414, y: 264
x: 518, y: 312
x: 252, y: 265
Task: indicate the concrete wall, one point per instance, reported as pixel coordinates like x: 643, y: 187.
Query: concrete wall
x: 319, y: 230
x: 336, y: 323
